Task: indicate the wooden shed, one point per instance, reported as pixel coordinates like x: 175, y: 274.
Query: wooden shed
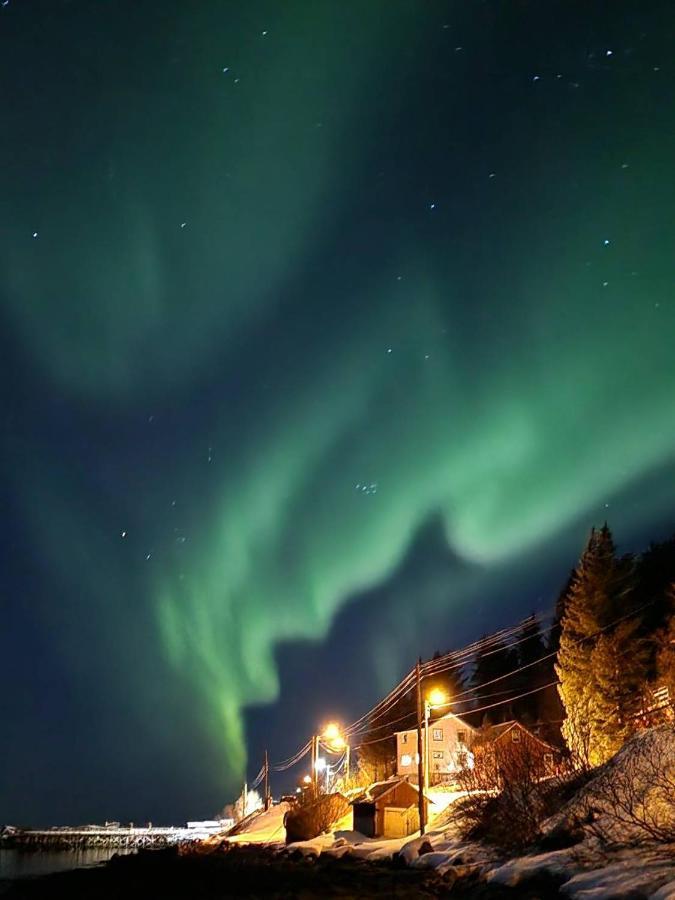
x: 387, y: 809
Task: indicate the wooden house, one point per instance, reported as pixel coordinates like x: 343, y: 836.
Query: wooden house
x: 387, y: 809
x: 508, y: 746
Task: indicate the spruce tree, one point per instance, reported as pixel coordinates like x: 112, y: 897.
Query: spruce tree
x: 494, y: 661
x: 598, y: 594
x: 529, y: 649
x: 619, y: 665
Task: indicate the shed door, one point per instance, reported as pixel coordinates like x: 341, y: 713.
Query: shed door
x: 395, y: 821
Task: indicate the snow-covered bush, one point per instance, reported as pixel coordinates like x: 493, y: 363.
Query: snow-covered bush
x: 632, y: 799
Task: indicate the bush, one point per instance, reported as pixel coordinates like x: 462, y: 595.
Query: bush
x: 632, y: 800
x: 508, y: 796
x: 314, y: 817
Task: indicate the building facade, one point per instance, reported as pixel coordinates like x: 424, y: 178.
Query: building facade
x: 448, y: 749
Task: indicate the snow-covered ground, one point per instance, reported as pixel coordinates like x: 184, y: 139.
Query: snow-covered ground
x: 265, y: 828
x: 586, y: 871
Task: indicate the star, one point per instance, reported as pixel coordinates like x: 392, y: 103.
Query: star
x: 609, y: 52
x: 492, y: 175
x: 123, y: 534
x: 147, y: 556
x: 263, y: 33
x: 388, y: 349
x: 35, y: 234
x: 183, y: 224
x: 226, y: 69
x: 432, y: 206
x: 536, y: 78
x: 606, y: 242
x: 605, y: 283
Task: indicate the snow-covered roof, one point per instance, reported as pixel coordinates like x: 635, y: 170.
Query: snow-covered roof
x: 379, y: 789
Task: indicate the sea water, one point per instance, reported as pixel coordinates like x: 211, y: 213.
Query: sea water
x: 16, y: 864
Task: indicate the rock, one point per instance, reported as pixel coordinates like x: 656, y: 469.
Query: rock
x: 424, y: 847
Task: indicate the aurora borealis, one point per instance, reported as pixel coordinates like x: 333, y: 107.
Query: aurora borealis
x: 309, y: 310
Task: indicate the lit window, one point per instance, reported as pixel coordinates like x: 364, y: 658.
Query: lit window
x: 515, y: 736
x: 437, y: 734
x: 461, y: 737
x: 404, y: 738
x: 406, y: 759
x: 438, y: 754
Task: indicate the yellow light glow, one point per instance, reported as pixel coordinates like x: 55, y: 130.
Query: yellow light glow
x: 331, y: 731
x: 307, y: 779
x: 437, y: 697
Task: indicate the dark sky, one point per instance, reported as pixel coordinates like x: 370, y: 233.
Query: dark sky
x: 328, y: 330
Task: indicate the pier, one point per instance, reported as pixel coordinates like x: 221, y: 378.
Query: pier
x: 90, y: 837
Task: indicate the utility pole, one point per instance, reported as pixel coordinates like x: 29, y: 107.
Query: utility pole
x: 315, y: 756
x: 267, y: 782
x: 420, y: 750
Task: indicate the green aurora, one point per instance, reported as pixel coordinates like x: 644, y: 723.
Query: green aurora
x: 498, y: 351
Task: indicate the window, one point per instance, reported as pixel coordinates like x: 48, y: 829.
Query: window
x: 437, y: 734
x: 406, y: 759
x: 548, y: 760
x: 515, y: 736
x: 461, y: 737
x: 438, y: 754
x: 404, y: 738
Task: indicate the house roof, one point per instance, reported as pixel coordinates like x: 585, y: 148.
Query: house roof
x: 379, y: 789
x: 448, y: 715
x: 498, y: 731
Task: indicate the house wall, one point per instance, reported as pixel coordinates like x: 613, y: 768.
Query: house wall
x: 402, y: 797
x: 517, y: 747
x: 449, y: 741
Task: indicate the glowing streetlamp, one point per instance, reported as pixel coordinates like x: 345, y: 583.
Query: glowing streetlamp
x: 331, y: 732
x: 336, y: 742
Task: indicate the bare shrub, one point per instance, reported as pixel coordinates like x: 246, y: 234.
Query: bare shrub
x: 632, y: 800
x: 510, y: 791
x: 314, y: 817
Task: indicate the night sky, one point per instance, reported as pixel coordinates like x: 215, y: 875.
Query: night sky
x: 328, y: 330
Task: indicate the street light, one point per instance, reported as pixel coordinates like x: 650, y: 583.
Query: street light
x: 434, y: 698
x: 331, y: 732
x: 336, y: 742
